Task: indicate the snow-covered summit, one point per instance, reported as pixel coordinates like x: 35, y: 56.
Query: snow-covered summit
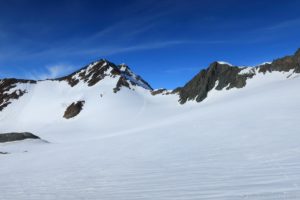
x: 224, y: 63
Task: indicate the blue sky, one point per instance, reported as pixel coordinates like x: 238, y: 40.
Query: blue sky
x: 167, y: 42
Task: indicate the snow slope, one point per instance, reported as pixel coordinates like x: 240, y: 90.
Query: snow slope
x: 236, y: 144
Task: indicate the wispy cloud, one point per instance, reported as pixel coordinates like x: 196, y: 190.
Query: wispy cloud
x: 285, y: 24
x: 111, y: 50
x: 52, y: 71
x: 120, y: 37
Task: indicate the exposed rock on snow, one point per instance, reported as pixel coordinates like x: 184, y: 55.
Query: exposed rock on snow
x: 134, y: 79
x: 10, y: 92
x: 226, y: 76
x: 229, y: 76
x: 74, y: 109
x: 158, y: 91
x: 121, y: 82
x: 218, y: 75
x: 97, y: 71
x: 10, y: 137
x: 284, y: 64
x: 92, y: 73
x: 163, y: 91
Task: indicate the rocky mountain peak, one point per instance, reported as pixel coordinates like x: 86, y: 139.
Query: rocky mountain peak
x: 92, y: 73
x: 97, y: 71
x: 217, y: 75
x: 220, y: 75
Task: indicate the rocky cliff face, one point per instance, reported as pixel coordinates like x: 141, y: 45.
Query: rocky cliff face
x: 217, y: 75
x: 221, y: 75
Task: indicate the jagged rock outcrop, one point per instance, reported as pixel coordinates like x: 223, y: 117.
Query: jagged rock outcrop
x: 285, y: 64
x: 10, y: 92
x: 222, y: 75
x: 217, y: 75
x: 10, y: 137
x: 97, y: 71
x: 133, y: 78
x: 74, y: 109
x: 122, y: 82
x: 92, y: 74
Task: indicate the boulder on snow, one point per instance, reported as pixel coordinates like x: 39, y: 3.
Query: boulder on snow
x: 10, y: 137
x: 74, y: 109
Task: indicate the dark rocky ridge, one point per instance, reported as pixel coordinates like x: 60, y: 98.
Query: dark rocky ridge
x: 91, y: 74
x: 227, y: 76
x: 74, y: 109
x: 285, y: 64
x: 10, y: 137
x: 95, y: 72
x: 198, y: 88
x: 7, y: 94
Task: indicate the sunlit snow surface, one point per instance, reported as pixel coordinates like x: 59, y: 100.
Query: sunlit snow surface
x: 237, y: 144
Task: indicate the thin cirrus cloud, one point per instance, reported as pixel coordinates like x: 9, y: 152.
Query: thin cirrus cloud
x: 88, y: 48
x: 108, y: 50
x: 285, y: 24
x: 98, y: 44
x: 120, y: 37
x: 52, y: 71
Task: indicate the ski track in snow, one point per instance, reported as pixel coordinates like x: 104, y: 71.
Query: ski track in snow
x: 237, y: 144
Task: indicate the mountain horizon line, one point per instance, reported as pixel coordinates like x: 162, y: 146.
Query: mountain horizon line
x: 218, y: 75
x: 296, y: 54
